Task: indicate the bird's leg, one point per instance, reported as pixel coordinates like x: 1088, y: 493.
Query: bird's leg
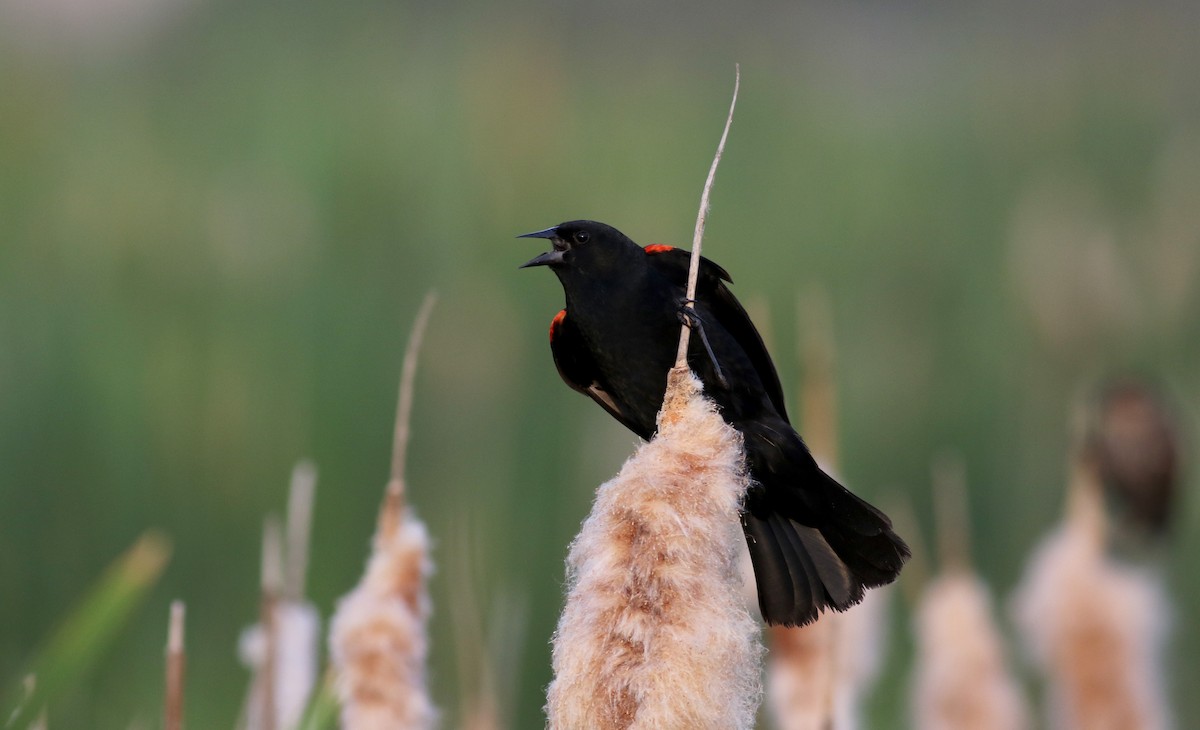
x: 691, y: 318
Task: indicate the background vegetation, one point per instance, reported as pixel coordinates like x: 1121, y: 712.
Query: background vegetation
x: 217, y: 220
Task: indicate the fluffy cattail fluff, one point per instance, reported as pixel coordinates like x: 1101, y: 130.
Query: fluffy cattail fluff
x: 378, y: 638
x: 963, y: 680
x: 654, y: 633
x: 1095, y: 628
x: 297, y: 628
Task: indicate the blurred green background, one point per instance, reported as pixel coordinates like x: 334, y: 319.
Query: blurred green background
x: 217, y: 220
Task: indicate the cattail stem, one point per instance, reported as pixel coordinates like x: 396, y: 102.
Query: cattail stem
x: 393, y: 509
x: 299, y: 526
x: 272, y: 588
x: 818, y: 404
x: 951, y: 513
x: 176, y: 665
x: 701, y: 219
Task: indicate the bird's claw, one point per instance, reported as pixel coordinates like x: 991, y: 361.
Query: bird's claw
x: 691, y: 318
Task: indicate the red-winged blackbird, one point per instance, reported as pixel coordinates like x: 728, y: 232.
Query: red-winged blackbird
x: 813, y: 543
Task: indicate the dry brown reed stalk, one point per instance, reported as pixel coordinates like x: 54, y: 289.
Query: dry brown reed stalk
x: 818, y: 389
x: 272, y: 590
x: 654, y: 633
x: 1094, y: 627
x: 816, y: 674
x: 173, y: 692
x: 282, y: 648
x: 378, y: 637
x: 298, y: 623
x: 701, y: 219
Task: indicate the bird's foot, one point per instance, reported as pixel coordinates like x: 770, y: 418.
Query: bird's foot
x: 690, y: 317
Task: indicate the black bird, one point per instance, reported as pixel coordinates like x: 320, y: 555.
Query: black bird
x: 813, y: 543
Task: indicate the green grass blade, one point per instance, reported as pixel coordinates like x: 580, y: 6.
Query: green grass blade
x: 89, y: 630
x: 322, y: 711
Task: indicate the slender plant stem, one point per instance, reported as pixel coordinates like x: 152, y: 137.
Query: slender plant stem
x: 299, y: 526
x: 394, y: 499
x: 701, y: 218
x: 176, y: 663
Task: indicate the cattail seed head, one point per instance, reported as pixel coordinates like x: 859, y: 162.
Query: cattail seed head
x: 654, y: 633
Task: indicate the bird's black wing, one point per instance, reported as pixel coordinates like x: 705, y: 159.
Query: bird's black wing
x: 711, y: 289
x: 578, y: 369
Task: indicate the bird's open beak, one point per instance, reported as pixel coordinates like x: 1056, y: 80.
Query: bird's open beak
x: 550, y: 232
x: 549, y: 258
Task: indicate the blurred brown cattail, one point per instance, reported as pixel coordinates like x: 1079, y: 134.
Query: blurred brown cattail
x: 963, y: 680
x: 378, y: 637
x: 1135, y: 443
x: 818, y: 673
x: 1095, y: 628
x: 654, y: 633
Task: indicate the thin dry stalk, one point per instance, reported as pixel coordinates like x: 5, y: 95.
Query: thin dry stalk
x: 818, y: 390
x: 298, y: 623
x: 919, y: 568
x: 701, y: 219
x: 272, y: 590
x: 379, y: 637
x: 176, y: 666
x: 301, y: 493
x: 393, y: 510
x: 953, y: 518
x: 282, y: 648
x: 1094, y: 627
x: 654, y: 633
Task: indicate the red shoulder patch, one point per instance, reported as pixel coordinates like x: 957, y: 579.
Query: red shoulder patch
x: 554, y: 323
x: 659, y: 248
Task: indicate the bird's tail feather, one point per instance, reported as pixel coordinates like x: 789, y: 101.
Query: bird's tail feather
x: 816, y: 545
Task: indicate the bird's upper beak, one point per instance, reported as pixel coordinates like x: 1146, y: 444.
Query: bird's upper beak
x: 550, y: 258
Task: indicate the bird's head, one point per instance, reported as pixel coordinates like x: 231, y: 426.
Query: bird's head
x: 583, y: 247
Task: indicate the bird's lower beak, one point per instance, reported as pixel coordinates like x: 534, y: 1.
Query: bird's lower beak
x: 549, y: 258
x: 546, y: 259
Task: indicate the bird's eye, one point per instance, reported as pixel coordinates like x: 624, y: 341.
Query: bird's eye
x: 581, y: 236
